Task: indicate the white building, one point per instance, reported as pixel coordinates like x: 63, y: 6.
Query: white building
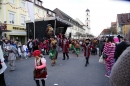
x: 76, y: 29
x: 87, y: 30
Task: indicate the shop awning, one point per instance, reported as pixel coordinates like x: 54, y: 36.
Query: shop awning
x: 17, y: 33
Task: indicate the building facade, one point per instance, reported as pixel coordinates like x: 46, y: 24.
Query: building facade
x: 15, y: 13
x: 87, y: 30
x: 123, y: 24
x: 76, y: 30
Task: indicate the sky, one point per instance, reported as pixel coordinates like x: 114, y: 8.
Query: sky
x: 102, y: 12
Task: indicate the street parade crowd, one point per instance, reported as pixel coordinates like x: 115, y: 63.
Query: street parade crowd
x: 114, y: 52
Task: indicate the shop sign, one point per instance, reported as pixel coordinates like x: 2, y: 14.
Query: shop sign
x: 18, y: 28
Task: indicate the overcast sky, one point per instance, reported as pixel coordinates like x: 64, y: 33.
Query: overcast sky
x: 102, y: 12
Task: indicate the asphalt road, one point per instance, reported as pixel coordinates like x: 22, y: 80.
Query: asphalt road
x: 70, y: 72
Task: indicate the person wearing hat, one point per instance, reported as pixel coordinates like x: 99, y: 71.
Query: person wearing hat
x: 49, y: 31
x: 40, y: 72
x: 120, y: 47
x: 65, y: 48
x: 87, y: 49
x: 53, y: 51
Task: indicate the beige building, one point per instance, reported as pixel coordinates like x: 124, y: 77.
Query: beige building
x: 15, y: 13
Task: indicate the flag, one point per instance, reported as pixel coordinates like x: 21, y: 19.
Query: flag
x: 30, y: 7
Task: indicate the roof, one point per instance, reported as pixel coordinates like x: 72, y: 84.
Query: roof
x: 87, y: 10
x: 105, y: 31
x: 66, y: 17
x: 113, y: 23
x: 81, y: 23
x: 123, y: 19
x: 40, y: 6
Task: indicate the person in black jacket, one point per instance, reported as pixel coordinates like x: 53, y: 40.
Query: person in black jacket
x: 120, y: 48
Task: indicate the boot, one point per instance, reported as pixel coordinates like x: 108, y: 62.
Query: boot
x: 86, y: 65
x: 67, y: 58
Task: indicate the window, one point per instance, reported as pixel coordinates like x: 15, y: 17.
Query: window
x: 11, y: 1
x: 87, y: 13
x: 49, y: 13
x: 32, y: 0
x: 11, y: 18
x: 43, y: 13
x: 53, y: 14
x: 87, y: 18
x: 41, y: 3
x: 22, y: 20
x: 36, y: 2
x: 38, y: 11
x: 23, y: 4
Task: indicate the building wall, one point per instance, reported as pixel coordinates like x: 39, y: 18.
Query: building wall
x: 18, y: 29
x: 126, y: 29
x: 73, y: 30
x: 41, y: 12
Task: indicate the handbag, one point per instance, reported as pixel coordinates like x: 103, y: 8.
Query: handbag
x: 101, y: 60
x: 104, y: 55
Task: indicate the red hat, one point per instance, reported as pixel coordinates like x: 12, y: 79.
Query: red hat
x: 36, y: 53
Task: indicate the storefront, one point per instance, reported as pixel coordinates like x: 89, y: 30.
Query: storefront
x: 16, y: 31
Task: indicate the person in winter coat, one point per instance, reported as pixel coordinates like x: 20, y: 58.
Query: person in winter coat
x: 87, y: 49
x: 2, y: 68
x: 35, y: 44
x: 25, y: 50
x: 101, y: 46
x: 120, y: 47
x: 30, y: 46
x: 40, y: 71
x: 12, y: 58
x: 120, y: 73
x: 65, y: 48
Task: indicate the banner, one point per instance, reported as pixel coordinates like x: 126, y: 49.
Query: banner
x: 30, y: 7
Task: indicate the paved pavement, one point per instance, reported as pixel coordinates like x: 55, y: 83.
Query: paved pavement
x: 70, y: 72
